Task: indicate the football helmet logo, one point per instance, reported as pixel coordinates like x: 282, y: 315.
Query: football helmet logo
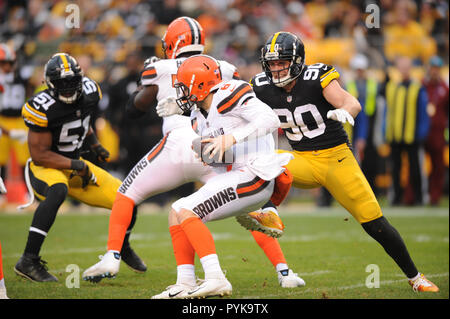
x: 184, y: 34
x: 197, y: 76
x: 283, y: 46
x: 7, y: 54
x: 63, y: 76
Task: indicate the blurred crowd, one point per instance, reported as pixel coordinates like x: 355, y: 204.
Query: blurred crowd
x: 362, y: 39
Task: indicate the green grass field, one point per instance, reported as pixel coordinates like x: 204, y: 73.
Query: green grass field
x: 326, y: 247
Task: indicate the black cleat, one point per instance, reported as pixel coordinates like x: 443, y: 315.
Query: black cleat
x: 34, y: 269
x: 133, y: 260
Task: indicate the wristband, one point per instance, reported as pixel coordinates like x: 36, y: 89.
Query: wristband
x: 77, y: 165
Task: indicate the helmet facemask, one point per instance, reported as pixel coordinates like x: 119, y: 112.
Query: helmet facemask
x: 185, y: 100
x: 67, y: 89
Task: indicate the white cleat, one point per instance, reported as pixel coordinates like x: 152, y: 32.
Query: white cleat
x: 211, y: 288
x: 107, y: 267
x: 288, y: 279
x: 177, y: 291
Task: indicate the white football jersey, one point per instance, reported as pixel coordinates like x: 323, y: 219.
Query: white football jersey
x: 163, y: 74
x: 236, y: 110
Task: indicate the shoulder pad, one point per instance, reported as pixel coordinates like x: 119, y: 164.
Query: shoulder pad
x: 34, y: 112
x: 91, y: 87
x: 232, y: 94
x: 259, y: 79
x: 324, y: 73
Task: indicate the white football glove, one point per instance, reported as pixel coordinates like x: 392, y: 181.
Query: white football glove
x: 18, y: 135
x: 2, y: 187
x: 341, y: 115
x: 167, y: 107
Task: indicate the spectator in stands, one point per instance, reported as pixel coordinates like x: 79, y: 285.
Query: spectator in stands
x: 407, y: 126
x: 438, y: 94
x: 367, y: 129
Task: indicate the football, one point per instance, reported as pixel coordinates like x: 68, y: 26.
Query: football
x: 200, y: 147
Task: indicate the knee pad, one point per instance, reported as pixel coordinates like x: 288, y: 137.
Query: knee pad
x: 57, y: 193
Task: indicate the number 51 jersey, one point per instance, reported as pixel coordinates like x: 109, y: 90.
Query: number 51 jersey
x: 303, y: 111
x: 68, y: 123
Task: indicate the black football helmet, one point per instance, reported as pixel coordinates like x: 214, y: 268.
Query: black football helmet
x: 283, y: 46
x: 63, y: 76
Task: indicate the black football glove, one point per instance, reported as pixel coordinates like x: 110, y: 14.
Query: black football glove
x: 100, y: 152
x: 86, y: 175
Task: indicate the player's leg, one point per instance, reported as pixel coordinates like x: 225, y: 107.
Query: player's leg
x: 349, y: 187
x: 221, y: 197
x: 2, y: 279
x: 158, y: 171
x: 51, y: 187
x: 103, y: 195
x: 184, y: 257
x: 268, y: 219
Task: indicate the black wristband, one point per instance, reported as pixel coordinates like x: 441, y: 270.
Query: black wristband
x: 91, y: 139
x: 77, y: 165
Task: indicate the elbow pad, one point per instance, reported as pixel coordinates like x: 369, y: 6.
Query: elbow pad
x: 131, y: 110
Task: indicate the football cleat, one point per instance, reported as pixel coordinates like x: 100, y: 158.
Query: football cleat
x: 288, y: 279
x: 107, y: 267
x: 210, y: 288
x: 177, y: 291
x: 34, y: 269
x: 265, y: 221
x: 422, y: 284
x: 132, y: 260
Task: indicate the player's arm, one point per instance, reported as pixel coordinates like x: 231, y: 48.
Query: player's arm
x: 39, y: 144
x: 99, y: 151
x: 341, y: 99
x: 141, y: 101
x: 347, y: 106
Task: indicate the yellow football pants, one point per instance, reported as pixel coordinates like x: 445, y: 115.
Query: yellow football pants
x: 102, y: 195
x: 338, y: 171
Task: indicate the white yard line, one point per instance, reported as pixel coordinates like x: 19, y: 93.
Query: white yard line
x: 362, y: 285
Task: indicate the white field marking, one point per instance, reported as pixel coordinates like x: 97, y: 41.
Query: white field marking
x: 308, y: 290
x: 84, y: 250
x: 315, y: 273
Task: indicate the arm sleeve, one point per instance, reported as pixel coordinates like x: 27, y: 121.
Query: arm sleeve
x: 262, y: 120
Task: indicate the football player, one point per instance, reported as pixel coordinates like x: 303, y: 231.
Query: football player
x: 228, y: 117
x: 59, y: 121
x: 13, y: 93
x: 171, y: 162
x: 312, y: 108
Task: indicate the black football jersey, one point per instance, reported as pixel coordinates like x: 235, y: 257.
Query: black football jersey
x: 303, y: 111
x: 68, y: 123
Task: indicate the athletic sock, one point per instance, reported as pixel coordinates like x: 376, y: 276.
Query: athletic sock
x: 388, y: 237
x: 126, y: 239
x: 119, y: 221
x: 44, y: 217
x: 186, y: 274
x: 211, y: 266
x: 271, y: 248
x: 199, y: 236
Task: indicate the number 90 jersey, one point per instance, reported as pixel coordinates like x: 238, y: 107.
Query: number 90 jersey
x: 68, y: 123
x: 303, y: 111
